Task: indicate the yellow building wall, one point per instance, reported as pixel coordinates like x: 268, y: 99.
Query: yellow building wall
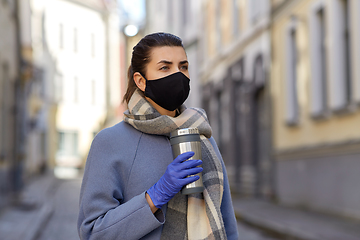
x: 309, y: 132
x: 276, y: 3
x: 226, y: 22
x: 210, y: 28
x: 243, y: 17
x: 52, y: 136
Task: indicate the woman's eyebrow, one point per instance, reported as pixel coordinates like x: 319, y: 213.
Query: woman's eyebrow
x: 164, y: 61
x: 169, y: 62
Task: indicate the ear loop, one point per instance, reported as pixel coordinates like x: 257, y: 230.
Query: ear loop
x: 177, y: 113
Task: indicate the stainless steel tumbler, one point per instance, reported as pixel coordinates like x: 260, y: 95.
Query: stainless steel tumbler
x: 185, y: 140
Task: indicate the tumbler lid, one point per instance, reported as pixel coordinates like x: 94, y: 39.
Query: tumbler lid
x: 184, y: 131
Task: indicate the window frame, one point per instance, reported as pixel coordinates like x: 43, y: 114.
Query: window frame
x: 319, y: 81
x: 292, y: 115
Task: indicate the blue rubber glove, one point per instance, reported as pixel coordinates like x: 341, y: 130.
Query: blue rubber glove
x: 174, y: 179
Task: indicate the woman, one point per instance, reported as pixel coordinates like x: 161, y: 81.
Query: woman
x: 131, y: 183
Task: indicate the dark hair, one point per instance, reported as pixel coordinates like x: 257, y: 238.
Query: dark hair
x: 141, y: 56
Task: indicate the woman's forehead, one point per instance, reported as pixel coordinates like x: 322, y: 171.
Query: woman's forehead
x: 168, y: 53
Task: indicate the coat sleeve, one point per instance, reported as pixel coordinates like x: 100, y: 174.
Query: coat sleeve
x: 103, y: 213
x: 227, y: 209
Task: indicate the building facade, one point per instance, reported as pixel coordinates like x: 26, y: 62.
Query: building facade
x: 22, y: 98
x: 279, y: 82
x: 85, y: 47
x: 38, y: 102
x: 228, y: 48
x: 8, y: 77
x: 59, y: 84
x: 316, y: 94
x: 183, y: 19
x: 236, y: 90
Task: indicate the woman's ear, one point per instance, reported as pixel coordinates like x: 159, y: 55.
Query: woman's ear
x: 139, y: 81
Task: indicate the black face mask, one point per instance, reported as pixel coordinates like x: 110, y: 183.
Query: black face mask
x: 168, y: 92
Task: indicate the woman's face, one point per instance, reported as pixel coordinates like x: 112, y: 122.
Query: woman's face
x: 165, y: 61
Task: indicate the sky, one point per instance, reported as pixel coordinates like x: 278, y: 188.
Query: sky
x: 131, y: 11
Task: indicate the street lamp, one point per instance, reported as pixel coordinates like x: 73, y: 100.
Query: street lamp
x: 131, y: 30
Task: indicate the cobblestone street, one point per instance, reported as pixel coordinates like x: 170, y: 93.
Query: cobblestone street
x: 62, y: 224
x: 51, y: 209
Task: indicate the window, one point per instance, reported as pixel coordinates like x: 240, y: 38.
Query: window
x: 235, y: 21
x: 254, y: 8
x: 93, y: 45
x: 292, y: 105
x: 319, y: 54
x: 257, y: 10
x: 61, y: 142
x: 43, y: 146
x: 58, y: 87
x: 214, y: 115
x: 76, y: 90
x: 340, y: 82
x: 347, y: 50
x: 68, y: 143
x: 259, y: 74
x: 75, y: 40
x: 93, y: 92
x: 61, y: 36
x: 355, y: 11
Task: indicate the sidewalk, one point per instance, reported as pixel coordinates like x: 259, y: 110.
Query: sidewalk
x: 25, y: 220
x: 292, y: 223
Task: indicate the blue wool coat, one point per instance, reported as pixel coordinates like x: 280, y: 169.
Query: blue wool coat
x: 123, y: 163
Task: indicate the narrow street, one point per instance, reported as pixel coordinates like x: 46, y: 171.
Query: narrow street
x: 249, y: 233
x: 62, y: 224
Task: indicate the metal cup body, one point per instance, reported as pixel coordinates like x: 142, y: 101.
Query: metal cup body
x: 185, y: 140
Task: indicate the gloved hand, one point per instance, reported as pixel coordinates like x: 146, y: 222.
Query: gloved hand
x: 174, y: 179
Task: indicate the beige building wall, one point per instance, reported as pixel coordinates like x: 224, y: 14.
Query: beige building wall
x: 316, y: 113
x: 236, y: 38
x: 225, y: 45
x: 309, y: 131
x: 209, y: 24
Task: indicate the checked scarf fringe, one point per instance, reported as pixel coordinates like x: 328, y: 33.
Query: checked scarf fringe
x: 196, y: 216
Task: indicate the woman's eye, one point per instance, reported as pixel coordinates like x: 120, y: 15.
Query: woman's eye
x: 184, y: 67
x: 164, y: 68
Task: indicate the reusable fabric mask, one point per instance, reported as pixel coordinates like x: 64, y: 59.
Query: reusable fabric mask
x: 168, y: 92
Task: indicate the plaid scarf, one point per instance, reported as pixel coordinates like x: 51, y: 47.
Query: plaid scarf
x: 195, y: 216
